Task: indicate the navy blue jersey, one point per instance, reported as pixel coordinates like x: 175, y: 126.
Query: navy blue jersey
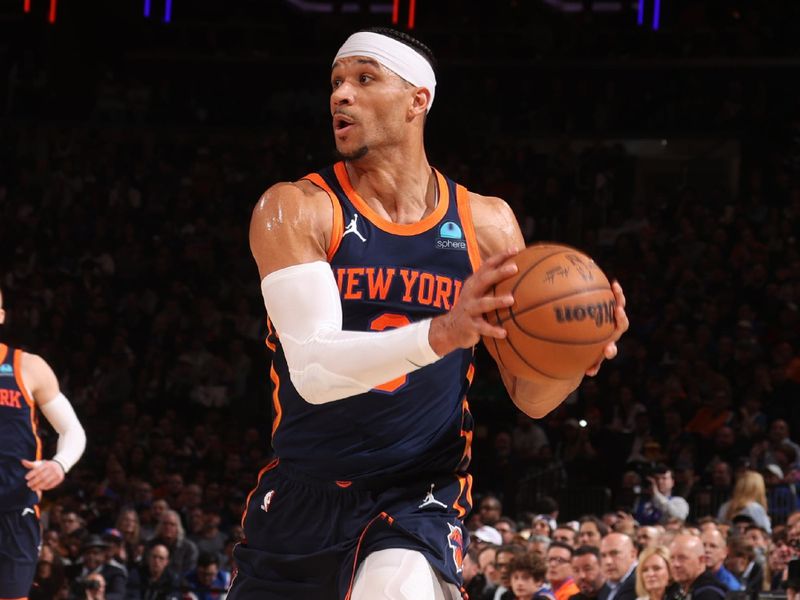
x: 389, y: 275
x: 17, y: 431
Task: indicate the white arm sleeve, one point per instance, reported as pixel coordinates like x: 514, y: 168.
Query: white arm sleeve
x: 71, y: 437
x: 326, y: 363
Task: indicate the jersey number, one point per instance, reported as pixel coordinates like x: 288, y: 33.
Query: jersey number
x: 390, y: 321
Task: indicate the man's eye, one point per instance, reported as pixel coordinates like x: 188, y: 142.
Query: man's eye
x: 364, y: 78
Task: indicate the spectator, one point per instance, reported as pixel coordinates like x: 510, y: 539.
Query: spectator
x: 618, y: 561
x: 154, y: 579
x: 475, y: 583
x: 538, y: 545
x: 210, y: 539
x: 742, y: 564
x: 792, y: 582
x: 182, y: 551
x: 647, y: 536
x: 716, y: 551
x: 95, y: 559
x: 661, y: 505
x: 543, y: 525
x: 505, y: 555
x: 527, y: 578
x: 565, y: 534
x: 653, y: 576
x: 559, y: 571
x: 689, y: 571
x: 507, y: 529
x: 749, y: 498
x: 487, y: 557
x: 92, y: 587
x: 588, y: 572
x: 487, y: 535
x: 49, y: 579
x: 591, y: 531
x: 490, y: 511
x: 207, y: 581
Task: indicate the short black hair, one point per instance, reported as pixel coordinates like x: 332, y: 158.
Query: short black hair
x: 409, y: 41
x: 586, y: 549
x: 566, y: 547
x: 207, y: 559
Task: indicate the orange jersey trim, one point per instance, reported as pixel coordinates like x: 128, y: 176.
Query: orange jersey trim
x: 337, y: 229
x: 384, y: 224
x: 271, y: 465
x: 28, y: 400
x: 270, y: 331
x: 465, y: 214
x: 3, y: 352
x: 276, y: 401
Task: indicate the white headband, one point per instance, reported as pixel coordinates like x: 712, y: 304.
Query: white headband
x: 395, y: 56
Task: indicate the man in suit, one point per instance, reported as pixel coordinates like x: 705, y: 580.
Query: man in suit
x: 618, y: 560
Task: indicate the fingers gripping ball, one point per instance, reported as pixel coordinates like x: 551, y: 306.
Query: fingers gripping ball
x: 562, y: 316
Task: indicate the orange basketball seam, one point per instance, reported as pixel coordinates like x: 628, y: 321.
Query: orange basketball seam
x: 535, y: 368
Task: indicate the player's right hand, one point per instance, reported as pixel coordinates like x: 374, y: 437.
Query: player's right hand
x: 464, y: 324
x: 42, y: 474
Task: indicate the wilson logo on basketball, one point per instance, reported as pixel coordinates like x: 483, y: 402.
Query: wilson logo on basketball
x: 601, y: 312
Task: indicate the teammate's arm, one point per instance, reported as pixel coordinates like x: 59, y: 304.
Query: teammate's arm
x: 290, y: 233
x: 497, y: 228
x: 43, y: 386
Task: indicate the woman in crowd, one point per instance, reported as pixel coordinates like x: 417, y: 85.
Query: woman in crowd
x: 749, y: 498
x: 654, y: 574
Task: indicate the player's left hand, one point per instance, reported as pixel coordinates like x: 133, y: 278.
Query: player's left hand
x: 622, y: 324
x: 43, y: 474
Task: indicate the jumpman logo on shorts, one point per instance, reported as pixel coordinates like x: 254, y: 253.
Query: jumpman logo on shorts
x: 430, y: 500
x: 27, y: 510
x: 267, y: 500
x: 352, y: 227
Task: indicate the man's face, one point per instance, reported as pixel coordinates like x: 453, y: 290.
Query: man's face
x: 169, y: 527
x: 587, y: 573
x: 158, y: 559
x: 502, y: 564
x: 93, y: 557
x: 714, y: 548
x: 490, y: 511
x: 616, y: 556
x: 368, y: 104
x: 565, y: 535
x: 756, y: 538
x: 523, y: 584
x: 688, y: 560
x: 646, y: 536
x: 559, y: 567
x: 505, y: 531
x: 207, y: 574
x: 540, y: 527
x: 589, y: 535
x: 664, y: 482
x: 486, y: 564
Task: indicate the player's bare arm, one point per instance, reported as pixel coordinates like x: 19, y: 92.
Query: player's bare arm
x: 42, y: 384
x: 497, y: 230
x: 291, y: 225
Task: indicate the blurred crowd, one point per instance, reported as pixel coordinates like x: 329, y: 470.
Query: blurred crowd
x: 127, y: 268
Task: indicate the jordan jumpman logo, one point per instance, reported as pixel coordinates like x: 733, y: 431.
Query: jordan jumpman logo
x: 429, y: 499
x: 352, y: 227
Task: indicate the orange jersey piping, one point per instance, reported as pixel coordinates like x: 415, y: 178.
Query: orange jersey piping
x: 465, y: 214
x: 337, y: 229
x: 28, y: 400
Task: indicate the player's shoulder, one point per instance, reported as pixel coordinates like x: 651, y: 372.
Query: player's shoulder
x: 487, y: 205
x: 291, y: 196
x: 33, y: 363
x: 496, y: 227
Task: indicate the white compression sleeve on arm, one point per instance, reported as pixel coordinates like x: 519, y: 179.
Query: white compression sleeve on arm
x: 71, y: 437
x: 326, y: 363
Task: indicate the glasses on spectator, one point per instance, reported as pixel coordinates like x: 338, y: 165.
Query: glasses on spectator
x: 557, y: 560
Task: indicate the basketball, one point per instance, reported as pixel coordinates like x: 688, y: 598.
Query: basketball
x: 562, y: 316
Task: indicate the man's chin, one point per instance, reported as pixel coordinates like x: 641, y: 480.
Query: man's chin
x: 353, y: 154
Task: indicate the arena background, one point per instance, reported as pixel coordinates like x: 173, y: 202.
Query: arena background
x: 133, y: 147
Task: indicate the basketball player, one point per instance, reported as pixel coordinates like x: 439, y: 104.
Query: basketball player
x: 27, y: 381
x: 376, y: 273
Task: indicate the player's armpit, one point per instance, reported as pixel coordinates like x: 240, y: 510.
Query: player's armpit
x: 291, y: 224
x: 537, y: 398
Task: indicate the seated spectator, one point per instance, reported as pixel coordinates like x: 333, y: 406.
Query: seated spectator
x: 565, y: 534
x: 559, y: 571
x: 502, y: 563
x: 207, y: 581
x: 209, y: 538
x: 749, y: 498
x: 507, y: 529
x: 93, y: 587
x: 543, y: 525
x: 133, y: 546
x: 647, y: 536
x: 657, y: 505
x: 591, y: 531
x: 486, y: 566
x: 618, y: 559
x: 588, y: 572
x: 474, y: 579
x: 527, y: 575
x: 716, y: 551
x: 155, y: 579
x: 49, y: 577
x: 687, y: 559
x: 538, y: 544
x: 653, y: 575
x: 170, y: 533
x: 95, y: 559
x: 742, y: 564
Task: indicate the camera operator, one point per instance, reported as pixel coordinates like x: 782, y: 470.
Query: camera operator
x: 657, y: 505
x: 94, y: 560
x: 93, y: 587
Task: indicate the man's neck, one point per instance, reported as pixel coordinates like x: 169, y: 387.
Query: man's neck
x: 399, y: 185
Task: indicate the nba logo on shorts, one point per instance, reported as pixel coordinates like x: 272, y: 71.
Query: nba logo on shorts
x: 455, y: 540
x: 450, y: 237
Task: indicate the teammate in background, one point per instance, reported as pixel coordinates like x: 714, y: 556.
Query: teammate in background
x: 27, y: 381
x: 376, y: 273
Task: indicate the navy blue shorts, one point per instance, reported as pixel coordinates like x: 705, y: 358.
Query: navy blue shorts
x: 20, y: 538
x: 305, y: 538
